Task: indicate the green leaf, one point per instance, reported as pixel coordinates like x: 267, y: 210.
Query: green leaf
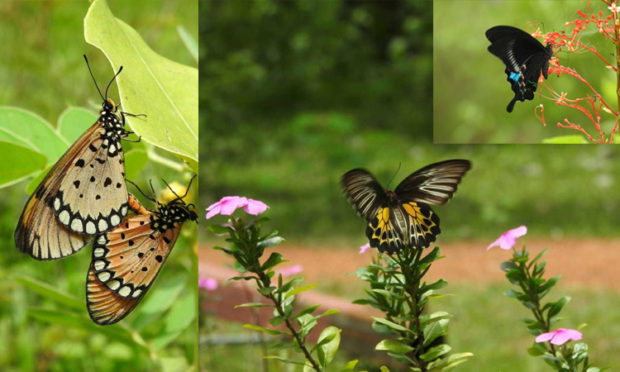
x: 435, y: 352
x: 253, y: 305
x: 391, y: 325
x: 135, y: 161
x: 24, y: 128
x: 449, y: 362
x: 23, y: 163
x: 274, y: 259
x: 300, y: 290
x: 32, y: 185
x: 571, y: 139
x: 556, y: 307
x: 166, y: 91
x: 328, y: 344
x: 189, y: 41
x: 74, y: 121
x: 50, y: 292
x: 307, y: 310
x: 350, y: 366
x: 434, y: 330
x: 270, y: 242
x: 219, y: 229
x: 181, y: 315
x: 263, y: 329
x: 393, y: 346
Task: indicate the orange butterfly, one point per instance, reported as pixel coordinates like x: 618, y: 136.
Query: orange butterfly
x: 127, y: 259
x: 83, y: 194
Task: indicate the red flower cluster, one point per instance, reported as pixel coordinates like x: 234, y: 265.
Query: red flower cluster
x: 593, y: 103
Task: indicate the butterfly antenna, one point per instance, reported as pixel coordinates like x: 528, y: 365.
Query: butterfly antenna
x: 395, y: 173
x: 142, y: 192
x: 93, y: 76
x: 111, y: 81
x: 186, y: 190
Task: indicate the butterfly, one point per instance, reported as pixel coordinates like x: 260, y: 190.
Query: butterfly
x: 83, y: 194
x: 403, y: 217
x: 127, y: 259
x: 525, y: 59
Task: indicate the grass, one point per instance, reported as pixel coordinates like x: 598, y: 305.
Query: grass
x: 485, y: 323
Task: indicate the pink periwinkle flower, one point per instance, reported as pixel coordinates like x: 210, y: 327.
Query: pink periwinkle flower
x: 229, y: 204
x: 290, y: 270
x: 560, y: 336
x: 364, y: 248
x: 208, y: 284
x: 508, y: 239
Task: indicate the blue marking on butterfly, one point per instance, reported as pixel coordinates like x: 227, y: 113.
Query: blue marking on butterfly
x: 514, y: 76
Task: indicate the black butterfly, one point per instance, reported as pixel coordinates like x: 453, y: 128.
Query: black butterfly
x: 403, y: 217
x: 525, y: 58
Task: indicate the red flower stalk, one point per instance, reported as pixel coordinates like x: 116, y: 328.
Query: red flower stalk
x: 593, y: 103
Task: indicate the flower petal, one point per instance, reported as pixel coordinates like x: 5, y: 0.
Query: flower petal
x: 544, y: 337
x: 509, y: 238
x: 229, y: 204
x: 255, y: 207
x: 364, y: 248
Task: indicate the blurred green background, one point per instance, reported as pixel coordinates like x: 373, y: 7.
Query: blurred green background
x: 470, y: 88
x: 294, y: 94
x: 43, y: 71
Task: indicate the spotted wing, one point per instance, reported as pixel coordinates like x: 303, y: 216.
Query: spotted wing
x: 91, y: 196
x: 364, y: 192
x: 410, y: 224
x: 38, y: 231
x: 126, y: 261
x: 434, y: 184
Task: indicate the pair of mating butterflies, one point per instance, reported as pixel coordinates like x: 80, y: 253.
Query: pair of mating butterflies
x: 85, y: 196
x: 525, y: 59
x: 403, y: 218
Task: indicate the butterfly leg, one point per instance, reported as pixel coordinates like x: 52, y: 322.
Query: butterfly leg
x: 123, y: 113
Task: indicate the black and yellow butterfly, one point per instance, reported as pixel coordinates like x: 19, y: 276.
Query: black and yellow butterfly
x: 83, y: 194
x: 127, y: 259
x: 403, y: 217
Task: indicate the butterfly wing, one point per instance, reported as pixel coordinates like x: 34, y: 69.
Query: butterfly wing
x: 434, y: 184
x: 91, y: 194
x: 125, y: 262
x: 38, y: 232
x: 364, y: 192
x: 407, y: 224
x: 525, y: 59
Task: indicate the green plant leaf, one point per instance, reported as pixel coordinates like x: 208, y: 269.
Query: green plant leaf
x: 181, y: 315
x: 166, y: 91
x: 50, y: 292
x: 393, y: 346
x: 571, y: 139
x: 24, y: 163
x: 27, y: 129
x: 74, y: 121
x: 189, y: 41
x: 329, y: 341
x: 135, y: 161
x: 262, y: 329
x: 391, y: 325
x: 435, y: 352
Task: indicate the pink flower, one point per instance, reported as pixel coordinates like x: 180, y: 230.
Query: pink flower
x: 508, y: 239
x: 255, y: 207
x: 208, y: 284
x: 229, y: 204
x: 290, y: 270
x: 364, y: 248
x: 559, y: 336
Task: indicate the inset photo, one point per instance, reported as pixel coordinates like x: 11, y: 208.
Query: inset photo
x: 525, y: 72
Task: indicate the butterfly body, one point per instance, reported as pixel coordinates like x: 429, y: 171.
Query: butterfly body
x: 403, y: 217
x: 127, y: 259
x: 525, y: 59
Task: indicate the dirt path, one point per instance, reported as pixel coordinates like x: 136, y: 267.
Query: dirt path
x: 587, y: 262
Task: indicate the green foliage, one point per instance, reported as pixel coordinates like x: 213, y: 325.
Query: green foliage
x: 44, y: 324
x: 528, y: 275
x: 398, y: 290
x: 166, y: 91
x: 247, y: 245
